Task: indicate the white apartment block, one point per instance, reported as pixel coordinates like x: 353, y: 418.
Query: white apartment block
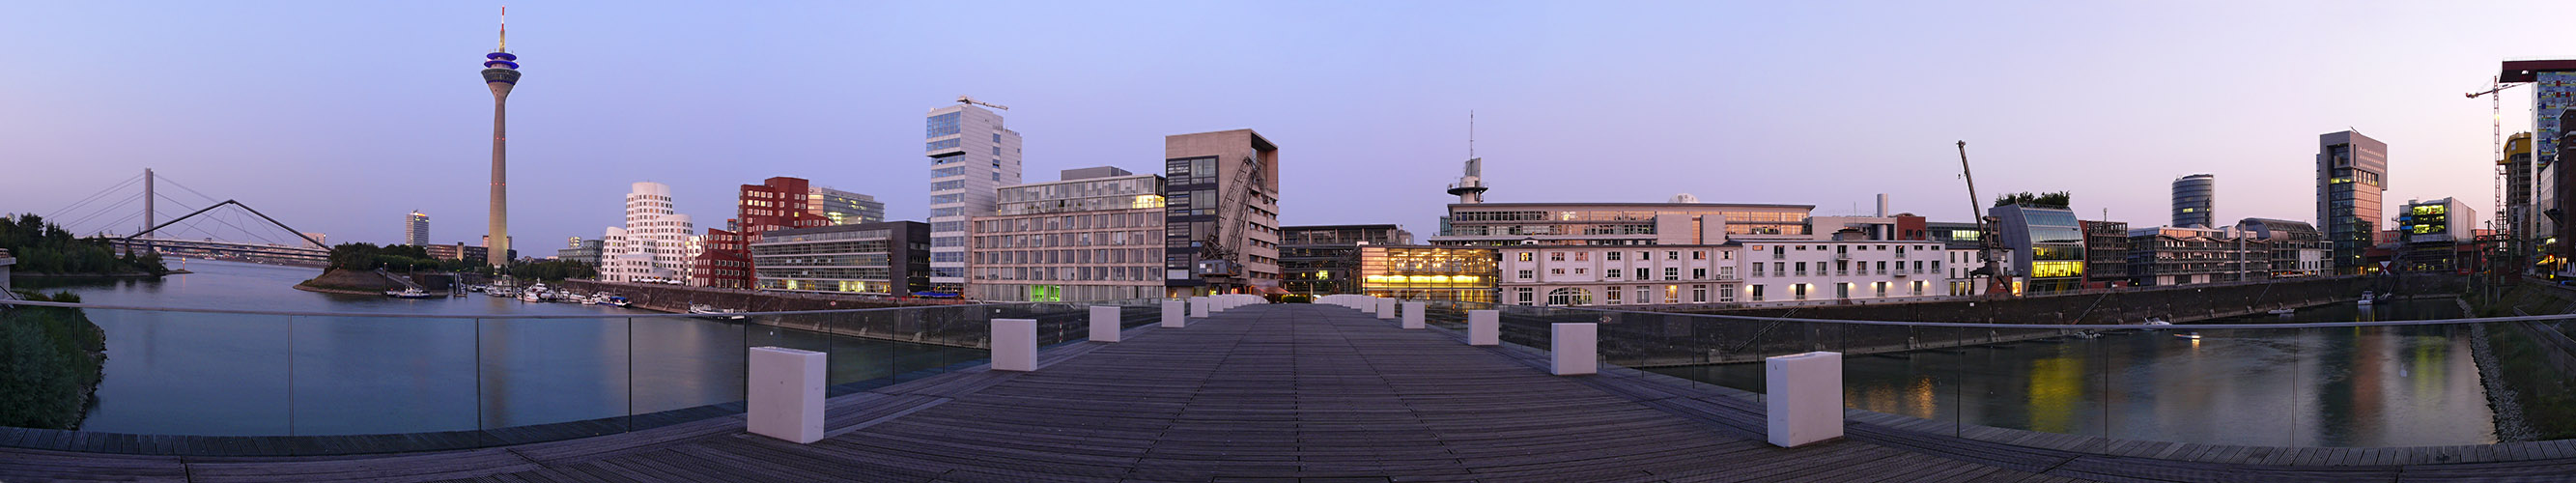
x: 657, y: 243
x: 1821, y: 272
x: 970, y: 155
x: 1575, y: 276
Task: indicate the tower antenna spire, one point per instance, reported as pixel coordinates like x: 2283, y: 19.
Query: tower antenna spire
x: 1471, y: 134
x: 505, y: 29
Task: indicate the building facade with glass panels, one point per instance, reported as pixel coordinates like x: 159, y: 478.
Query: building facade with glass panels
x: 885, y: 258
x: 1429, y: 273
x: 1325, y: 259
x: 1221, y: 219
x: 2047, y: 245
x: 2352, y: 172
x: 1096, y: 235
x: 1507, y: 224
x: 971, y: 154
x: 843, y: 207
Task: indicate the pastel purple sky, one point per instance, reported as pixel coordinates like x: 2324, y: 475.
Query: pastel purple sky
x: 339, y: 117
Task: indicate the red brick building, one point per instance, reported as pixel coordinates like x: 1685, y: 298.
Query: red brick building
x: 776, y: 204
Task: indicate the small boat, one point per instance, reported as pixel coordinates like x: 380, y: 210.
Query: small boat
x: 609, y: 300
x: 2367, y: 297
x: 2086, y: 334
x: 2282, y: 311
x: 705, y: 309
x: 2156, y: 321
x: 409, y: 293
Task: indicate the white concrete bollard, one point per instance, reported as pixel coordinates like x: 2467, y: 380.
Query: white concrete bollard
x: 786, y: 394
x: 1173, y: 314
x: 1386, y: 308
x: 1484, y: 327
x: 1199, y: 307
x: 1015, y: 345
x: 1104, y: 324
x: 1577, y: 349
x: 1413, y: 314
x: 1804, y: 393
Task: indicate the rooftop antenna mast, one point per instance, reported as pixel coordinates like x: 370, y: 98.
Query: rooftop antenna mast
x: 505, y: 30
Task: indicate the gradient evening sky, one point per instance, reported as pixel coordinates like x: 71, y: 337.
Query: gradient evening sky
x: 339, y: 117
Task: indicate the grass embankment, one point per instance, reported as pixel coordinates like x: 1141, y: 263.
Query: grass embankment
x: 49, y: 364
x: 2524, y: 365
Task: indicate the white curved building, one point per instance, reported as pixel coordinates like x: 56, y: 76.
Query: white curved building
x: 656, y: 244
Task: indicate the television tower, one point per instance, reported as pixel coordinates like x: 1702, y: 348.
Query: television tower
x: 1470, y: 188
x: 500, y: 72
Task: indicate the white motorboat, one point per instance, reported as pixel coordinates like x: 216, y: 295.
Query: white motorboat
x: 408, y: 293
x: 2367, y: 297
x: 2282, y: 311
x: 705, y: 309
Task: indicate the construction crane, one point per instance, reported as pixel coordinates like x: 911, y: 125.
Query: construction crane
x: 1985, y: 245
x: 2503, y: 170
x: 1217, y: 257
x: 962, y: 99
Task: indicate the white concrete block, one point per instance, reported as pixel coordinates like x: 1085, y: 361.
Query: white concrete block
x: 1104, y: 324
x: 1015, y: 345
x: 1173, y: 314
x: 1577, y: 349
x: 1199, y: 307
x: 1386, y: 308
x: 1484, y: 327
x: 785, y: 399
x: 1413, y: 314
x: 1804, y: 394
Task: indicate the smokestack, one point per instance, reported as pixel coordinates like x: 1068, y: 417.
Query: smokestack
x: 1882, y: 205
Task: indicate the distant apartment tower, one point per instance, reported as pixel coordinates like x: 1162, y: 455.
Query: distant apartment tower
x: 654, y: 246
x: 416, y: 229
x: 777, y: 203
x: 1095, y: 235
x: 843, y: 207
x: 2193, y: 197
x: 2352, y: 172
x: 970, y: 155
x: 1222, y: 225
x: 2517, y: 218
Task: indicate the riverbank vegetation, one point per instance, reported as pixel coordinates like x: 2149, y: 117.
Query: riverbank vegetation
x: 43, y: 248
x: 49, y: 363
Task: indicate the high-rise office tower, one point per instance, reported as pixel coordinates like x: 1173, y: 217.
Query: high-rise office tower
x: 970, y: 155
x: 1222, y: 222
x: 2193, y: 196
x: 416, y: 229
x: 843, y: 207
x: 500, y: 72
x: 2352, y: 173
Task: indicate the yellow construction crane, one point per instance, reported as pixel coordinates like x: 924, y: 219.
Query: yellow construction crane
x: 2495, y: 106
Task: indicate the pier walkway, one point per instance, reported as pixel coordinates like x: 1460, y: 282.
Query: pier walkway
x: 1260, y: 393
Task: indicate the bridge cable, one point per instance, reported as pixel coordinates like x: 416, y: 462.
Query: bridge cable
x: 74, y: 225
x: 95, y: 196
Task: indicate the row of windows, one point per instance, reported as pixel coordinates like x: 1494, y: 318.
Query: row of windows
x: 1841, y: 268
x: 1081, y: 239
x: 1070, y: 274
x: 1092, y: 256
x: 1671, y: 294
x: 1670, y: 273
x: 1068, y: 222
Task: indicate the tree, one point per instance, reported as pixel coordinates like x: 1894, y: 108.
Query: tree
x: 2059, y: 200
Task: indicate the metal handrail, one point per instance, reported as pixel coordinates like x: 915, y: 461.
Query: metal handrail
x: 525, y: 316
x: 1971, y: 325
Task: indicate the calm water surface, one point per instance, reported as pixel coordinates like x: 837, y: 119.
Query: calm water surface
x: 2378, y: 386
x: 245, y: 375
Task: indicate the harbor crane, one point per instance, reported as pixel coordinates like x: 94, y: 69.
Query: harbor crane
x: 962, y: 99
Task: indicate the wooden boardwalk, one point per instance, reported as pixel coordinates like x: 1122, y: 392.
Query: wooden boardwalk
x: 1262, y: 393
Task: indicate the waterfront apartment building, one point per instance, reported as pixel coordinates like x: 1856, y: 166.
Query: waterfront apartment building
x: 1460, y: 274
x: 777, y: 203
x: 2433, y: 232
x: 1615, y: 224
x: 971, y: 155
x: 843, y: 207
x: 1097, y: 234
x: 2106, y: 254
x: 1960, y: 242
x: 1221, y: 218
x: 884, y: 258
x: 2517, y: 220
x: 416, y: 229
x: 2352, y: 172
x: 2047, y: 245
x: 1745, y: 273
x: 1325, y: 259
x: 2298, y: 249
x: 2171, y: 255
x: 655, y: 245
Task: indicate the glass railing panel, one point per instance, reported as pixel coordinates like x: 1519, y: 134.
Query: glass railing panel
x: 550, y: 379
x: 2038, y: 379
x: 685, y: 368
x: 173, y: 373
x: 383, y: 375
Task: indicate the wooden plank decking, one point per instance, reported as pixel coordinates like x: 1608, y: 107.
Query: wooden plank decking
x: 1262, y: 393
